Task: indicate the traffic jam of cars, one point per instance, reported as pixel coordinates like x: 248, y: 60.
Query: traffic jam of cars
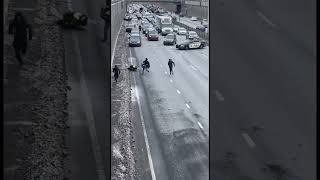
x: 156, y: 24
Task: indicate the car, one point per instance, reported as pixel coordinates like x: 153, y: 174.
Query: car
x: 170, y: 39
x: 193, y: 18
x: 130, y: 26
x: 145, y: 26
x: 182, y: 31
x: 191, y: 35
x: 175, y: 28
x: 201, y: 27
x: 135, y: 41
x: 191, y: 44
x: 134, y: 32
x: 149, y: 29
x: 127, y: 18
x: 153, y: 35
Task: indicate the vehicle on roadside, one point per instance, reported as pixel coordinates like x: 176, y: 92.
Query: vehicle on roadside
x: 193, y: 18
x: 191, y: 35
x: 182, y: 31
x: 191, y: 44
x: 170, y: 39
x: 135, y: 41
x: 127, y: 18
x: 130, y: 26
x: 153, y: 35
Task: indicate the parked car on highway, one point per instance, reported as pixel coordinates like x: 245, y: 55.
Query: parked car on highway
x: 191, y: 35
x: 145, y: 26
x: 191, y: 44
x: 182, y: 31
x: 149, y: 29
x: 193, y: 18
x: 135, y: 40
x: 170, y: 39
x: 130, y: 26
x: 153, y: 35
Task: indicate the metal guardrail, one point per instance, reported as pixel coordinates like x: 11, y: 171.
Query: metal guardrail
x: 201, y: 34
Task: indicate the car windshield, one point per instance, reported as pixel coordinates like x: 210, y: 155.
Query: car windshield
x: 134, y: 38
x: 152, y: 32
x: 170, y: 36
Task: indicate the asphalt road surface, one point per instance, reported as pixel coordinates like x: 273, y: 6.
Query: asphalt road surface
x: 88, y: 76
x: 263, y: 90
x: 175, y: 108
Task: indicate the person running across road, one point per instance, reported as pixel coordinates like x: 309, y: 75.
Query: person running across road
x: 116, y: 72
x: 171, y: 64
x: 146, y: 65
x: 20, y: 29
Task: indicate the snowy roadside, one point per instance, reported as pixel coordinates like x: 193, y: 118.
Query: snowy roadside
x: 123, y: 163
x: 41, y: 146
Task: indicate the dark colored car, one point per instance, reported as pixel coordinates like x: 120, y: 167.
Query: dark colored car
x: 135, y: 41
x: 170, y: 39
x: 153, y: 35
x: 191, y: 44
x: 201, y: 28
x: 129, y: 27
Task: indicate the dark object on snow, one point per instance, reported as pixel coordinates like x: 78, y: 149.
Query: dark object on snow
x: 116, y: 72
x: 20, y: 29
x: 73, y: 20
x: 132, y: 68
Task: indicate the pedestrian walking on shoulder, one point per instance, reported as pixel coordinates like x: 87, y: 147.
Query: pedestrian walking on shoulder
x: 116, y: 73
x: 20, y: 29
x: 105, y: 15
x: 171, y: 64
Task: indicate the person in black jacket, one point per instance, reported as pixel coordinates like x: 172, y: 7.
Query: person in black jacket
x: 105, y: 15
x: 116, y: 72
x: 170, y: 64
x: 20, y: 29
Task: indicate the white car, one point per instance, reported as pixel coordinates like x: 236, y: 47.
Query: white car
x: 182, y: 31
x: 194, y: 18
x: 192, y: 35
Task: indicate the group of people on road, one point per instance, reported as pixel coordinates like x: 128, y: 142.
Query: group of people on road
x: 145, y: 66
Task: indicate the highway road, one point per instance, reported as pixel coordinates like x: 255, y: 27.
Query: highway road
x: 263, y: 90
x: 174, y: 108
x: 89, y: 110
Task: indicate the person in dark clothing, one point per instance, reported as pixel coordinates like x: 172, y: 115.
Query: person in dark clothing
x: 116, y: 72
x: 146, y: 64
x: 20, y: 29
x: 171, y: 64
x: 105, y: 15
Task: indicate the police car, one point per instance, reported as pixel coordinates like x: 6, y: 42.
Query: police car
x: 191, y: 44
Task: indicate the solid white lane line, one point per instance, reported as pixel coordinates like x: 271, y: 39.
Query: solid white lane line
x: 178, y: 92
x: 200, y: 125
x: 188, y: 106
x: 89, y: 109
x: 219, y: 95
x: 248, y: 139
x: 265, y: 18
x: 153, y: 176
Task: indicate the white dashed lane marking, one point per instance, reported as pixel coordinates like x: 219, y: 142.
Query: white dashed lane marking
x: 193, y: 68
x: 188, y: 106
x: 248, y: 139
x: 171, y: 80
x: 178, y: 92
x: 166, y: 72
x: 200, y: 125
